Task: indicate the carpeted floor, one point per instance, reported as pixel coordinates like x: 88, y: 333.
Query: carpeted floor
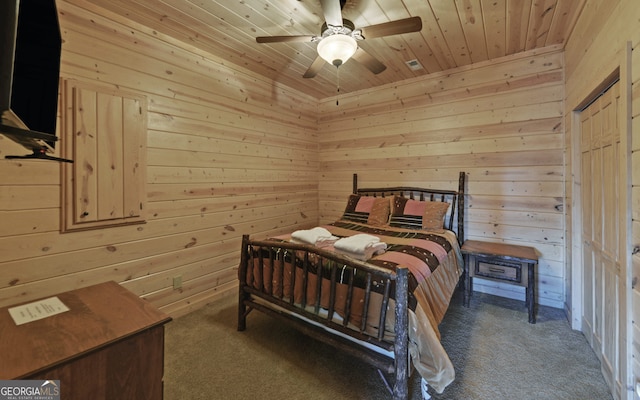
x: 497, y: 355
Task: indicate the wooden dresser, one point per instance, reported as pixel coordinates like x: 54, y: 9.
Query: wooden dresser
x: 109, y: 345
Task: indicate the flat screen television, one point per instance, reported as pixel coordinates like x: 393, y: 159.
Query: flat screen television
x: 30, y: 49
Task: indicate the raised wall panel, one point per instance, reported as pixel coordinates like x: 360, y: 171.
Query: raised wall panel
x: 105, y: 134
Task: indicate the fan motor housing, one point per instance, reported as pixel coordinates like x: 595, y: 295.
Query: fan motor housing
x: 346, y: 28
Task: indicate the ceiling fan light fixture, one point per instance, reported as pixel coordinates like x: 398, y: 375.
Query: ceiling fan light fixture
x: 337, y: 49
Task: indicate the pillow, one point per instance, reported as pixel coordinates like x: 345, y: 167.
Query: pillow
x: 414, y: 214
x: 367, y: 210
x: 434, y: 214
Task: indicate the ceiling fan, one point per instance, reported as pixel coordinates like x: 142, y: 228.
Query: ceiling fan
x: 338, y: 38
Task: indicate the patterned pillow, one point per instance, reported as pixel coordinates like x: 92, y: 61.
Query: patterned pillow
x: 367, y: 210
x: 434, y: 214
x: 414, y: 214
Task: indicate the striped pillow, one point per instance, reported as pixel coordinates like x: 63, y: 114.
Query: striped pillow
x: 414, y: 214
x: 367, y: 210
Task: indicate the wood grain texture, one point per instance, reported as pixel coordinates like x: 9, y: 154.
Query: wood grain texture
x: 99, y: 315
x: 500, y: 120
x: 232, y: 150
x: 509, y: 252
x: 606, y: 57
x: 124, y: 370
x: 635, y: 209
x: 454, y: 34
x: 228, y: 152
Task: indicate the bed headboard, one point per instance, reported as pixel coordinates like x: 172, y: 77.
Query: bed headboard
x: 455, y: 218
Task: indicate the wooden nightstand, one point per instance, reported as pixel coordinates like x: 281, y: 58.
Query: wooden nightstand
x: 502, y: 263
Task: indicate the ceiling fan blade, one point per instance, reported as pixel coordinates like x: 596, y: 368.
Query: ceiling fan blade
x: 315, y: 67
x: 354, y: 7
x: 279, y: 39
x: 368, y: 61
x: 413, y: 24
x: 332, y: 12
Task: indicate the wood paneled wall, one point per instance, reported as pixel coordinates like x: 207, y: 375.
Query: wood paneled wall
x: 500, y: 121
x: 635, y: 212
x: 228, y: 153
x: 231, y: 153
x: 599, y: 49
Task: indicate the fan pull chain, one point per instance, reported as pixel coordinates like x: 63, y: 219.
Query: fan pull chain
x: 338, y: 91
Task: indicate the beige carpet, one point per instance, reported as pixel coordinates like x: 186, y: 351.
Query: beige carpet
x: 496, y: 354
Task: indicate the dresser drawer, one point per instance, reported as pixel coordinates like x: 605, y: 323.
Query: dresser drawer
x: 494, y: 268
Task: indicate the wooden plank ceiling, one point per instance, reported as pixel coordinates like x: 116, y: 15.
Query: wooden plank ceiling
x: 455, y: 33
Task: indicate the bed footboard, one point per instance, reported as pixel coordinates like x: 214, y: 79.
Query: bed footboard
x: 356, y: 307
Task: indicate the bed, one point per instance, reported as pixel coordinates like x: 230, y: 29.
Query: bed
x: 375, y: 284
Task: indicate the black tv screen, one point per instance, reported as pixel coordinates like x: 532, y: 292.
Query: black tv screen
x: 30, y: 70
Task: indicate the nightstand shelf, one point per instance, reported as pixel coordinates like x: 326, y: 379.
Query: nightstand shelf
x: 501, y: 262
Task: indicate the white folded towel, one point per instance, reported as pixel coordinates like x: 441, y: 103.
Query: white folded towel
x: 318, y: 236
x: 357, y: 243
x: 361, y: 246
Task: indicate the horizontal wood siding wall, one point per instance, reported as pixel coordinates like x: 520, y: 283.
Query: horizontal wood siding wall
x: 500, y: 121
x: 228, y: 153
x: 597, y: 50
